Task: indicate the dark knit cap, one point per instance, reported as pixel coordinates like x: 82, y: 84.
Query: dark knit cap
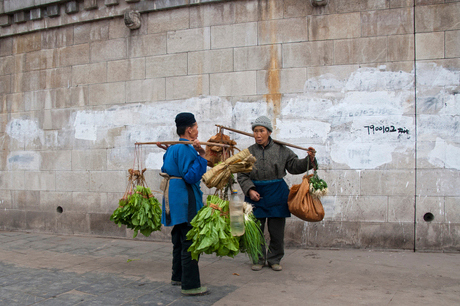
x: 185, y: 119
x: 263, y: 121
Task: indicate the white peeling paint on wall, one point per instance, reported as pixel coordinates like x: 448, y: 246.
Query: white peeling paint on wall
x: 25, y: 131
x: 445, y: 155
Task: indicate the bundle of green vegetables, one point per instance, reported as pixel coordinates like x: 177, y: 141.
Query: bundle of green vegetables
x: 252, y: 240
x: 140, y: 211
x: 318, y: 187
x: 211, y: 230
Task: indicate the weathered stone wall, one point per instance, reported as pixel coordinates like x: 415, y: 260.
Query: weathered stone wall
x: 376, y: 98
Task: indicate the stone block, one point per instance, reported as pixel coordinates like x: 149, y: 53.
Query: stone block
x: 72, y: 223
x: 429, y: 45
x: 41, y: 221
x: 257, y: 58
x: 317, y: 53
x: 401, y: 3
x: 51, y: 200
x: 90, y: 5
x: 20, y: 17
x: 12, y: 219
x: 6, y: 200
x: 111, y: 2
x: 92, y: 31
x: 345, y: 6
x: 6, y: 65
x: 189, y: 40
x: 89, y: 202
x: 53, y: 11
x: 452, y: 44
x: 452, y: 210
x: 40, y: 180
x: 210, y: 61
x: 268, y: 10
x: 361, y: 208
x: 74, y: 55
x: 294, y: 8
x: 401, y: 209
x: 187, y: 87
x: 107, y: 94
x: 27, y: 43
x: 125, y: 70
x: 210, y: 15
x: 57, y: 38
x: 387, y: 22
x: 437, y: 183
x: 290, y: 81
x: 71, y: 7
x: 439, y: 17
x: 233, y: 84
x: 101, y: 225
x: 360, y: 50
x: 282, y: 31
x: 108, y: 50
x: 430, y: 205
x: 333, y: 234
x: 5, y: 20
x: 89, y: 160
x: 58, y: 77
x: 335, y: 26
x: 146, y: 45
x: 391, y: 182
x: 145, y: 90
x: 6, y: 47
x: 234, y: 35
x: 89, y: 74
x: 5, y: 84
x: 168, y: 20
x: 429, y: 236
x: 72, y: 181
x: 113, y: 199
x: 79, y: 96
x: 56, y: 119
x: 401, y: 47
x: 108, y: 181
x: 387, y: 236
x: 166, y: 65
x: 26, y: 199
x: 44, y: 59
x: 341, y: 182
x: 451, y: 238
x: 36, y: 14
x: 120, y: 158
x: 14, y: 102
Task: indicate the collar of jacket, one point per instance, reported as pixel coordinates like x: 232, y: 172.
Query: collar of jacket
x: 269, y: 144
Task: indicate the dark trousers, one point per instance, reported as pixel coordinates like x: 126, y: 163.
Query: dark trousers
x: 184, y: 268
x: 276, y: 247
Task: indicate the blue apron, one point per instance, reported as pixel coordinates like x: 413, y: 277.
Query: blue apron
x: 273, y: 202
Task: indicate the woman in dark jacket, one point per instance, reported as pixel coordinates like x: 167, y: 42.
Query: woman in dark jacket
x: 265, y: 188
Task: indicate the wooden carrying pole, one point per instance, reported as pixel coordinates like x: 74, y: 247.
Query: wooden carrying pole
x: 184, y: 142
x: 252, y: 135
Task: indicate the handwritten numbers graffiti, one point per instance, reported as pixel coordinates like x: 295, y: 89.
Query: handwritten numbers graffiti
x: 385, y: 129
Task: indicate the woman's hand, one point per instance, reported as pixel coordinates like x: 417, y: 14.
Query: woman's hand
x: 162, y: 146
x: 254, y: 195
x: 198, y: 148
x: 311, y: 154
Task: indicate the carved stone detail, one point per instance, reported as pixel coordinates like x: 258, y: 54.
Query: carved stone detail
x: 133, y: 19
x: 53, y: 11
x: 71, y: 7
x: 319, y: 2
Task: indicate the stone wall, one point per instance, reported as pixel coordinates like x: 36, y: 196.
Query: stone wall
x: 377, y: 99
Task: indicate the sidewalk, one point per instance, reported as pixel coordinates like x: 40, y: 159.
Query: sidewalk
x: 43, y: 269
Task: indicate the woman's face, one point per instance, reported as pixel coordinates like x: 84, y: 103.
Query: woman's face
x: 192, y: 132
x: 261, y: 135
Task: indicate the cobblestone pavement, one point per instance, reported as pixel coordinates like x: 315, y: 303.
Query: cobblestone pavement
x: 45, y: 269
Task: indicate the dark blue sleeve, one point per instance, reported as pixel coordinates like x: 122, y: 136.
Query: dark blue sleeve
x: 196, y: 170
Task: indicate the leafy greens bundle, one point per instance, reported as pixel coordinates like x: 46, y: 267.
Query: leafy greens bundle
x: 318, y: 187
x: 139, y: 211
x: 211, y: 230
x: 252, y: 240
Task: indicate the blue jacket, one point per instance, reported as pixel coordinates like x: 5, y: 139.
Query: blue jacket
x: 182, y: 161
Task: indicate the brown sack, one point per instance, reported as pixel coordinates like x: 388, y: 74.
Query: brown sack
x: 302, y: 204
x: 215, y: 154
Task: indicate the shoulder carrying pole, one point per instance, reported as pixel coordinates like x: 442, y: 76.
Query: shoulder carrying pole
x: 274, y: 140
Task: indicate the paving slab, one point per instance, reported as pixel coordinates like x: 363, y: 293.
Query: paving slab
x: 46, y: 270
